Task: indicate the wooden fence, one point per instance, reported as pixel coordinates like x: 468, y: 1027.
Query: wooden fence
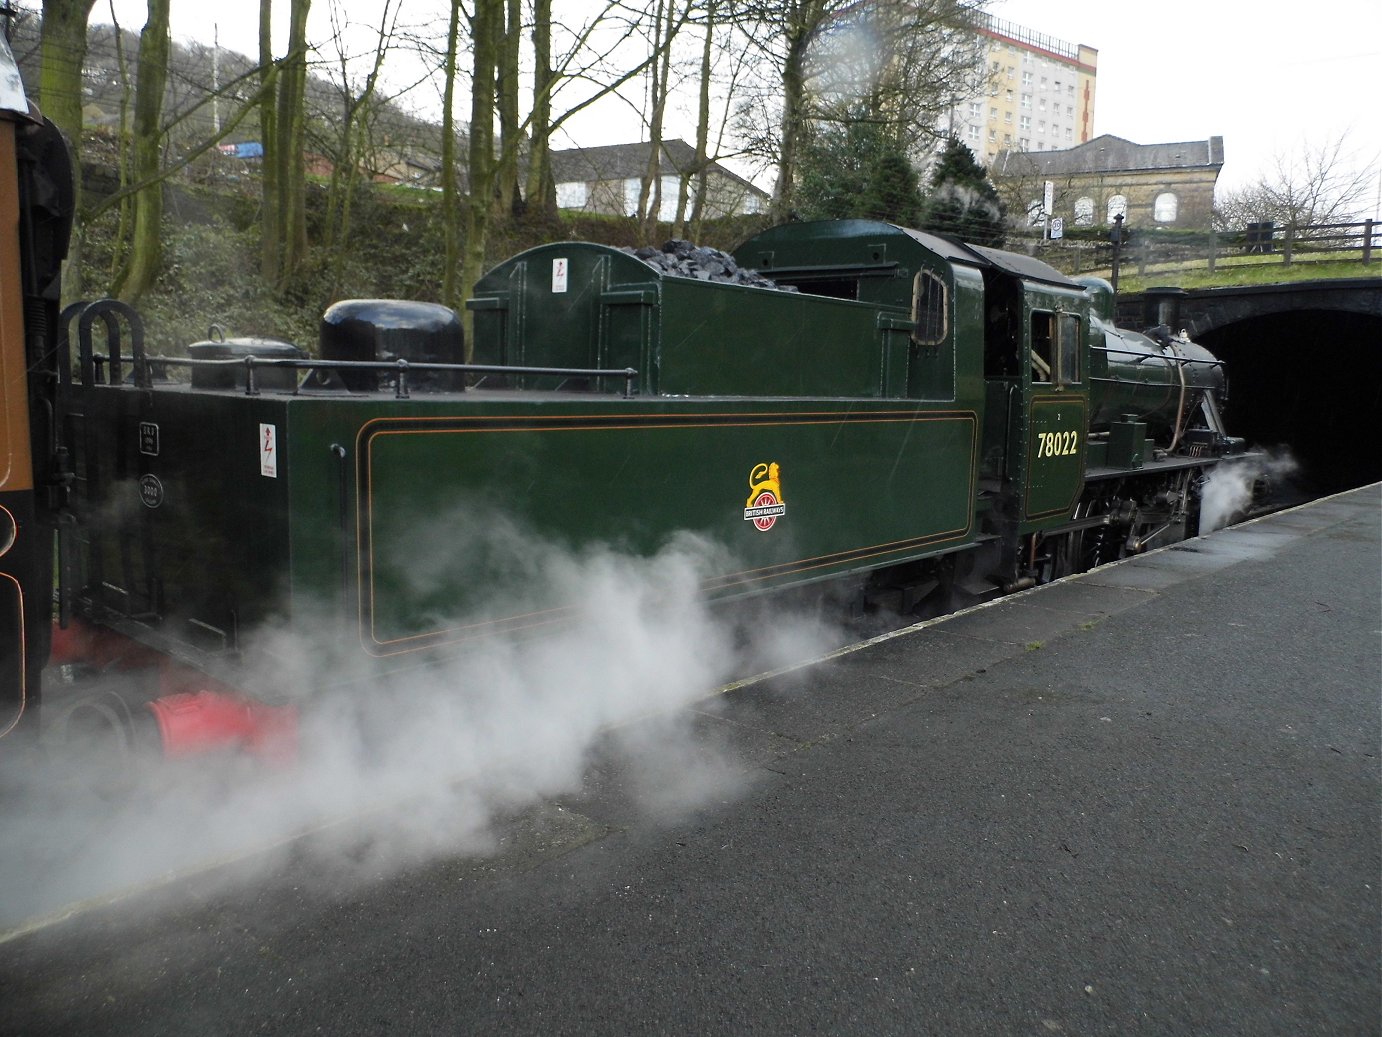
x: 1260, y: 244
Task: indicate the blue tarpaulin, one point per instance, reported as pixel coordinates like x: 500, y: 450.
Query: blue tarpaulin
x: 251, y: 150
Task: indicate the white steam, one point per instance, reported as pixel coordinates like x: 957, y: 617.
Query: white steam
x: 1232, y: 487
x: 967, y: 199
x: 420, y: 764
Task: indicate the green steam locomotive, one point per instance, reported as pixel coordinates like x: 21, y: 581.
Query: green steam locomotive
x: 922, y: 422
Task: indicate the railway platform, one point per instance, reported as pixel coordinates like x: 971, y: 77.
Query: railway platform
x: 1143, y: 800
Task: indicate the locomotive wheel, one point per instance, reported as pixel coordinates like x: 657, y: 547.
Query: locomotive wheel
x: 1081, y: 550
x: 104, y: 741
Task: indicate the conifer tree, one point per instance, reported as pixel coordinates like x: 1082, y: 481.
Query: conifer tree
x: 893, y: 191
x: 857, y: 172
x: 963, y: 202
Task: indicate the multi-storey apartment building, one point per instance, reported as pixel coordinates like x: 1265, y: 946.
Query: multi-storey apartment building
x: 1039, y: 96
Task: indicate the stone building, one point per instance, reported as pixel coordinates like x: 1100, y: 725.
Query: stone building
x: 1151, y: 185
x: 607, y: 180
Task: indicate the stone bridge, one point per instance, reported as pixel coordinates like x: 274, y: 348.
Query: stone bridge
x: 1304, y: 367
x: 1201, y: 311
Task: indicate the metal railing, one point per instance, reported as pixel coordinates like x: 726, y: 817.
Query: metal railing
x: 1257, y: 245
x: 399, y: 369
x: 93, y: 368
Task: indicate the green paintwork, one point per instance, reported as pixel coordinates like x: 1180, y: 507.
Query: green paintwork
x: 1056, y: 443
x: 1047, y: 452
x: 390, y: 511
x: 399, y: 517
x: 579, y: 305
x: 1127, y: 445
x: 631, y: 475
x: 1135, y: 376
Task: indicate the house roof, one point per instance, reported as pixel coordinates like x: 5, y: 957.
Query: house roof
x: 1110, y: 154
x: 630, y: 161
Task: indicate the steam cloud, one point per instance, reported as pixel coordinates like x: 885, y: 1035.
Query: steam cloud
x: 1232, y: 487
x: 409, y: 767
x: 421, y: 765
x: 968, y: 199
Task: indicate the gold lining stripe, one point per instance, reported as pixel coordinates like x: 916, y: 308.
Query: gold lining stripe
x: 23, y: 658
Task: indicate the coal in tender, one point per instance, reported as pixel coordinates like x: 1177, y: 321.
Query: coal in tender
x: 681, y: 258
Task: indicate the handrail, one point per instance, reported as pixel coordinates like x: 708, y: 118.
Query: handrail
x: 401, y: 367
x: 1181, y: 360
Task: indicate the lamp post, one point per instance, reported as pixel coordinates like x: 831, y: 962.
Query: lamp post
x: 1116, y: 236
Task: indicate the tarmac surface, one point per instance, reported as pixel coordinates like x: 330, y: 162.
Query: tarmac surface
x: 1144, y: 800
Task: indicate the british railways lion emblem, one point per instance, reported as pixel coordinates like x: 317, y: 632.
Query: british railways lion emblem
x: 765, y: 504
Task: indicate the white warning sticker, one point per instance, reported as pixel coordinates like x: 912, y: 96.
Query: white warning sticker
x: 559, y: 267
x: 268, y: 451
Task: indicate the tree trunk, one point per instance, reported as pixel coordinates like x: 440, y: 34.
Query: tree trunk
x: 146, y: 240
x: 484, y: 25
x: 122, y: 229
x: 268, y: 135
x: 450, y: 203
x: 702, y: 133
x: 654, y: 128
x: 350, y: 149
x: 62, y: 54
x: 801, y: 27
x: 290, y: 138
x: 509, y: 35
x: 541, y: 188
x: 665, y: 27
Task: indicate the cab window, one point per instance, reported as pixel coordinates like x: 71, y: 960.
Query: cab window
x: 1042, y: 353
x: 1068, y: 348
x: 1055, y: 349
x: 928, y: 309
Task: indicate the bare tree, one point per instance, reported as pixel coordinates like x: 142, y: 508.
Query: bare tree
x: 799, y: 23
x: 62, y: 50
x: 893, y: 62
x: 589, y: 61
x: 702, y: 159
x: 450, y: 181
x: 285, y: 189
x: 1321, y: 183
x: 122, y: 229
x: 63, y: 36
x: 541, y: 189
x: 486, y: 28
x: 351, y: 130
x: 900, y: 65
x: 268, y: 131
x: 509, y: 36
x: 667, y: 22
x: 727, y: 67
x: 145, y: 254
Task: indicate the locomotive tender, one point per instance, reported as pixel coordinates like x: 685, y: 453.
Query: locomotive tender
x: 932, y: 422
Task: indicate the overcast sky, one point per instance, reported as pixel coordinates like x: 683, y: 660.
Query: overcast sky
x: 1270, y: 78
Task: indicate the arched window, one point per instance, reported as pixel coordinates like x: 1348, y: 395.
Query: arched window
x: 929, y: 325
x: 1117, y: 206
x: 1164, y: 208
x: 1084, y: 212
